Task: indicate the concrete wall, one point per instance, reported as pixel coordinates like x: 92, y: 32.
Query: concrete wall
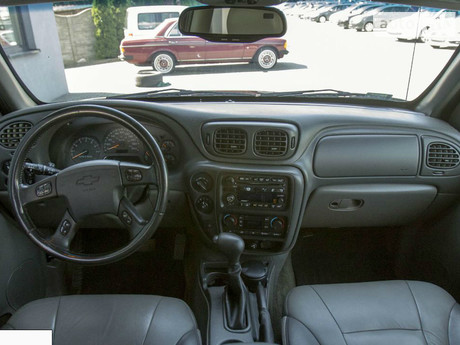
x: 77, y: 37
x: 43, y: 70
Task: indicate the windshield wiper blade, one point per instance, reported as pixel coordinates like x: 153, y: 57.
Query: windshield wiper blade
x: 174, y: 92
x: 328, y: 93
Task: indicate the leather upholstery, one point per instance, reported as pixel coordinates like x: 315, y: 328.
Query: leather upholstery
x: 377, y: 313
x: 110, y: 319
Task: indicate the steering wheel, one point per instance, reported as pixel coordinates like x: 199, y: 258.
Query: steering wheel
x: 89, y: 188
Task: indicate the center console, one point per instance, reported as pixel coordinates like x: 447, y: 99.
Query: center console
x: 261, y: 205
x: 255, y: 211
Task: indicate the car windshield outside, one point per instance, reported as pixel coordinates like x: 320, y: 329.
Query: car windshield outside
x: 87, y: 49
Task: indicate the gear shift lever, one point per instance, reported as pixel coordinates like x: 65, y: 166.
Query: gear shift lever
x: 232, y: 246
x: 235, y: 292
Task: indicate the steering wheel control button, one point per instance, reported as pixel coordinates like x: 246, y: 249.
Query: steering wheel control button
x: 133, y: 175
x: 126, y: 217
x: 43, y: 189
x: 65, y: 227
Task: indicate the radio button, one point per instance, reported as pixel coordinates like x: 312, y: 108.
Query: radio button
x: 230, y: 198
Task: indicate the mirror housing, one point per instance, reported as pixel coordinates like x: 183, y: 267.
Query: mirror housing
x: 232, y: 24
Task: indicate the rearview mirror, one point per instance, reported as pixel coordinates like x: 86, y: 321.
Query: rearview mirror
x: 232, y: 24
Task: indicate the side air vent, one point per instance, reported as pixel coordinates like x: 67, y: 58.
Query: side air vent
x: 442, y: 156
x: 11, y: 135
x: 230, y: 141
x: 271, y: 143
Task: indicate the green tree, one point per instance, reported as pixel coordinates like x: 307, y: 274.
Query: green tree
x: 109, y: 17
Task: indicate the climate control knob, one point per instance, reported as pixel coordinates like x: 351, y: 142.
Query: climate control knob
x: 277, y: 224
x: 230, y: 221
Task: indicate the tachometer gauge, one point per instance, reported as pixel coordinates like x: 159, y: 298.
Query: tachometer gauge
x: 121, y: 140
x: 85, y: 149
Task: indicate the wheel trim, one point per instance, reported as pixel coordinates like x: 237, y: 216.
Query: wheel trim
x: 163, y: 63
x: 267, y: 59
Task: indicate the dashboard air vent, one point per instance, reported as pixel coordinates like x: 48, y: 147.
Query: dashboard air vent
x: 271, y: 143
x: 442, y: 156
x: 11, y: 135
x: 231, y: 141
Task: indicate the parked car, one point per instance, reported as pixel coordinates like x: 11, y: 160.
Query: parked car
x: 142, y: 20
x: 323, y: 14
x: 414, y: 27
x: 168, y: 47
x: 384, y: 17
x: 380, y: 17
x: 445, y: 32
x: 366, y: 8
x: 339, y: 15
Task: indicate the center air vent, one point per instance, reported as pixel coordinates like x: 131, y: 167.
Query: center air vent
x: 11, y: 135
x: 230, y: 141
x: 442, y: 156
x: 271, y: 143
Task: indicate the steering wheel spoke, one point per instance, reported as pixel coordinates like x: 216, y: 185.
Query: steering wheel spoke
x: 130, y: 217
x: 133, y: 174
x: 39, y: 191
x: 65, y: 232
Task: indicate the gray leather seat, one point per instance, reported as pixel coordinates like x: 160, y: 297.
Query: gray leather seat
x: 110, y: 319
x: 374, y: 313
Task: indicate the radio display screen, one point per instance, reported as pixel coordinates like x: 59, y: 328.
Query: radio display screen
x: 258, y: 197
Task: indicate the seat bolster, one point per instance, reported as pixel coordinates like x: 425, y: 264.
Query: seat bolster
x: 40, y: 314
x: 172, y: 323
x: 294, y: 332
x: 454, y: 325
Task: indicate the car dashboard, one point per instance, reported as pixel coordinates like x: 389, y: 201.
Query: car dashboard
x: 266, y: 170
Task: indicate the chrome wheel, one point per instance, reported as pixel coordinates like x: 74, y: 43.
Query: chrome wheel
x: 163, y: 63
x: 322, y: 19
x: 369, y: 27
x: 267, y: 58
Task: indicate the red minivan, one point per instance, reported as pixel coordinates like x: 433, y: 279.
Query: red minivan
x: 168, y: 47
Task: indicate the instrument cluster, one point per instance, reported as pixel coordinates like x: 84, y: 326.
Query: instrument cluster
x: 114, y: 142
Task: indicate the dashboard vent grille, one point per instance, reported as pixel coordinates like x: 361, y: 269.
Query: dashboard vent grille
x: 230, y: 141
x: 11, y: 135
x: 271, y: 143
x: 442, y: 156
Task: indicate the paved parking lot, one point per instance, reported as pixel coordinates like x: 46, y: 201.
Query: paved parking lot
x: 321, y: 56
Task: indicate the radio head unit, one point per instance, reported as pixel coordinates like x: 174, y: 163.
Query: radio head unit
x: 255, y: 191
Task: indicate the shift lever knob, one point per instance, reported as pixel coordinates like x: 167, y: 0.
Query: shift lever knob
x: 232, y: 246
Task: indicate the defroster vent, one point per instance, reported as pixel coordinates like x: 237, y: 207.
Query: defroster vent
x: 271, y: 143
x: 230, y: 141
x: 11, y: 134
x: 442, y: 156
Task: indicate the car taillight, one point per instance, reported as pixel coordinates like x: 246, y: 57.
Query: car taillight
x: 285, y: 45
x: 122, y: 49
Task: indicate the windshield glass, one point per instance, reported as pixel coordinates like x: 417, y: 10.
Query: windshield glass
x: 86, y: 49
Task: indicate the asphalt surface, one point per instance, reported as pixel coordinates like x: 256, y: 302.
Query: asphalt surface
x: 320, y: 56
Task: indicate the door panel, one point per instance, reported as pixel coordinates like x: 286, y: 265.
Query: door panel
x: 224, y: 51
x: 186, y: 48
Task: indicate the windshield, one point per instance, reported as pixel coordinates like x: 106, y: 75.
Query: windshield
x: 87, y: 49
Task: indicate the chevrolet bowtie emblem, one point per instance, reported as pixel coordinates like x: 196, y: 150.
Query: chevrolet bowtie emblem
x: 88, y: 180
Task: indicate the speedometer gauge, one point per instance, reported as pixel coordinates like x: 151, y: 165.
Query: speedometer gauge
x: 121, y: 140
x: 85, y: 149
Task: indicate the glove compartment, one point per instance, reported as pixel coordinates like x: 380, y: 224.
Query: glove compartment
x: 367, y: 205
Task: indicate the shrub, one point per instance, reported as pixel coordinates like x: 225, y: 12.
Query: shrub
x: 109, y: 18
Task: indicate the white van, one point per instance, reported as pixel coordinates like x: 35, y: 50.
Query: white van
x: 142, y: 20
